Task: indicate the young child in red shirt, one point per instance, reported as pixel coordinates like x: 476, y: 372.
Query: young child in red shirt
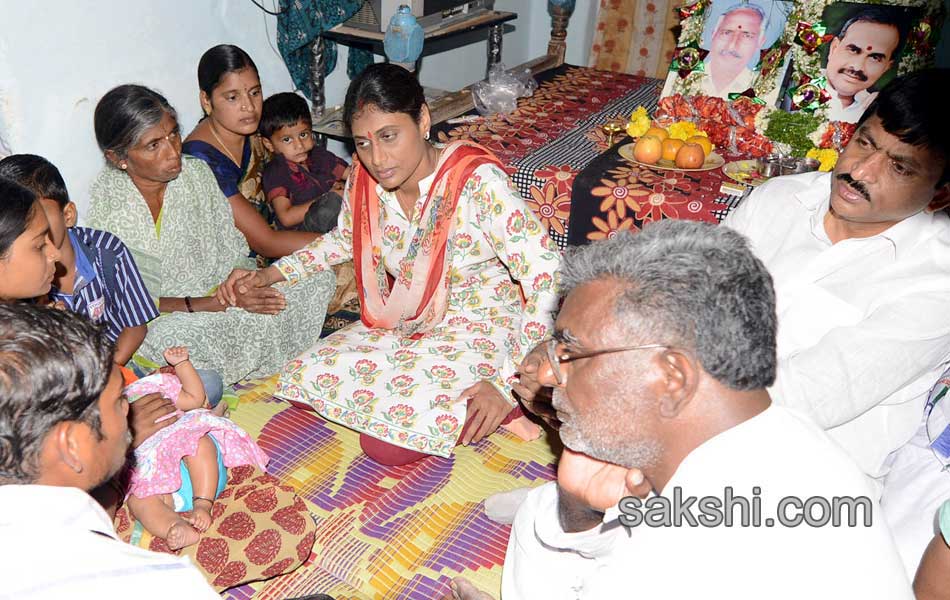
x: 303, y: 181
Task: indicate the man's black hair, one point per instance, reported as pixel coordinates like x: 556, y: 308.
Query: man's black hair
x: 36, y: 174
x: 881, y: 16
x: 54, y: 365
x: 911, y: 108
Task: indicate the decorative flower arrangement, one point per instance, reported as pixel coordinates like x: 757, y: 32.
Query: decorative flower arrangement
x: 792, y: 131
x: 683, y: 130
x: 639, y: 122
x: 751, y: 129
x: 835, y: 135
x: 826, y: 157
x: 731, y: 125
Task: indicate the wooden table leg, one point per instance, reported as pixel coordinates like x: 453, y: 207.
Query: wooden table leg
x: 317, y: 85
x: 494, y: 44
x: 560, y: 11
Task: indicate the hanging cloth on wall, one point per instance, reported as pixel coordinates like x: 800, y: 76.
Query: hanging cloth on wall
x: 300, y: 22
x: 635, y: 36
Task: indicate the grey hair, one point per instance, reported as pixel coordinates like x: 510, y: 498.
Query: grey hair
x: 692, y: 285
x: 125, y: 113
x: 749, y: 6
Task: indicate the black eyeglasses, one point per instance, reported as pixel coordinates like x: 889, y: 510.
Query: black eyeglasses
x: 556, y: 359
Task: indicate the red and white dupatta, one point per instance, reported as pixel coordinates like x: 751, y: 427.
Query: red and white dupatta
x: 416, y: 299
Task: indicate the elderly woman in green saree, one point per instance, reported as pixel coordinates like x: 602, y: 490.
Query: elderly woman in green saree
x: 180, y: 228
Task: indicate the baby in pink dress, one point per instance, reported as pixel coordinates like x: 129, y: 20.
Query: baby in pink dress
x: 180, y: 471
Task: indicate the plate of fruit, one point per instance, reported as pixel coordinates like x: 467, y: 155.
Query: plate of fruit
x: 657, y: 149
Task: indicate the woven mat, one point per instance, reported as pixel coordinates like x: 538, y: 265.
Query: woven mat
x: 387, y: 532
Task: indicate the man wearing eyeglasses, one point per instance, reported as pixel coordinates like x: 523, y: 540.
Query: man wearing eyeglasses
x: 662, y: 351
x: 63, y: 432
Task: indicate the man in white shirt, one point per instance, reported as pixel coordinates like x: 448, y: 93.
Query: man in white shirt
x: 862, y: 51
x: 861, y: 263
x: 661, y: 354
x: 737, y: 38
x: 63, y: 432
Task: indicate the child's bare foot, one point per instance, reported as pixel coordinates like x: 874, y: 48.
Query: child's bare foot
x: 221, y: 409
x: 176, y: 355
x: 200, y: 516
x: 181, y: 534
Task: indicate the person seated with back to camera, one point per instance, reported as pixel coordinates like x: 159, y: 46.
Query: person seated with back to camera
x: 63, y: 432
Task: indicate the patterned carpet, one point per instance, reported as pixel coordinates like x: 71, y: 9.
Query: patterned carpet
x: 386, y: 532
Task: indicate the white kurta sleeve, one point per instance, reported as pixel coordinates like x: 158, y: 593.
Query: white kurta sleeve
x: 330, y: 249
x: 852, y: 369
x: 742, y: 217
x: 521, y: 243
x: 544, y: 561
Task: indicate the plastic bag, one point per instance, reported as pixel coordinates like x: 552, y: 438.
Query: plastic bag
x: 500, y: 92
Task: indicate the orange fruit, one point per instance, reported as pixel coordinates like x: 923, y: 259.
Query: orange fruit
x: 670, y: 148
x: 690, y: 156
x: 658, y: 132
x: 648, y: 149
x: 703, y: 141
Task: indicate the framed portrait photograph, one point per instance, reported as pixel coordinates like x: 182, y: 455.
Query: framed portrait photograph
x: 730, y: 47
x: 845, y: 52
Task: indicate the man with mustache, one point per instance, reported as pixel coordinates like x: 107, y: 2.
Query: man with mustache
x: 862, y: 51
x: 738, y: 37
x: 63, y: 432
x: 662, y: 351
x: 861, y: 263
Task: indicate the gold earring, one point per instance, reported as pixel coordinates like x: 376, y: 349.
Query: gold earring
x: 123, y: 166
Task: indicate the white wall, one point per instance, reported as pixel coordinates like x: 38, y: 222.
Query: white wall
x: 59, y: 57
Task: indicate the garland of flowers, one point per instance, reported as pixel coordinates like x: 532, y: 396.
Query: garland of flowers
x: 688, y: 57
x: 730, y: 125
x: 750, y: 129
x: 744, y: 125
x: 808, y: 89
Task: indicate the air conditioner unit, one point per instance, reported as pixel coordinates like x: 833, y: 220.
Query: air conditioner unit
x: 374, y: 15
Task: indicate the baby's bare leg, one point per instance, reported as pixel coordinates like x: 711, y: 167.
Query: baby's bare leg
x: 203, y: 467
x: 192, y: 390
x: 160, y: 519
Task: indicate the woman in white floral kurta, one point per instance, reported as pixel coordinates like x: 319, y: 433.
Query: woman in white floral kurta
x: 410, y: 389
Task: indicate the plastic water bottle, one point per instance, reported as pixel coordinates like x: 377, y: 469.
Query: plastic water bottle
x: 404, y: 38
